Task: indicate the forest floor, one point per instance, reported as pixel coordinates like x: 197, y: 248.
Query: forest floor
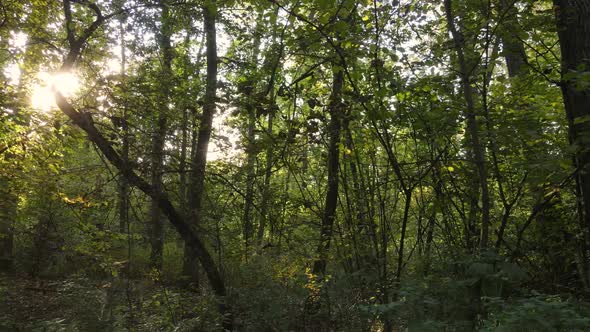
x: 83, y: 304
x: 51, y: 305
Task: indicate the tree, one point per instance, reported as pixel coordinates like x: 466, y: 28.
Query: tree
x: 7, y: 217
x: 477, y: 149
x: 573, y: 28
x: 199, y: 161
x: 85, y: 122
x: 159, y: 134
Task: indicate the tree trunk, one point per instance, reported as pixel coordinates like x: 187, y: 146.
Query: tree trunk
x: 159, y: 138
x: 199, y: 162
x: 247, y: 218
x: 573, y: 25
x: 516, y: 60
x: 265, y: 216
x: 314, y: 300
x: 335, y: 110
x: 477, y: 149
x: 264, y: 205
x: 251, y: 151
x: 182, y: 183
x: 123, y: 185
x: 357, y: 222
x: 187, y: 111
x: 8, y: 205
x: 189, y: 264
x: 400, y: 254
x: 513, y: 48
x: 437, y: 206
x: 184, y: 228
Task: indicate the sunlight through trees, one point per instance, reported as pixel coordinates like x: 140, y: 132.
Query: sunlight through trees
x: 281, y: 165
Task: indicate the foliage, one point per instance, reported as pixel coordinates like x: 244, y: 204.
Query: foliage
x: 538, y: 312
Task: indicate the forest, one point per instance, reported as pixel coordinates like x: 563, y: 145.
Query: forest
x: 295, y: 165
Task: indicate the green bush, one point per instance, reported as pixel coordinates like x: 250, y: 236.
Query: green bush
x: 537, y: 313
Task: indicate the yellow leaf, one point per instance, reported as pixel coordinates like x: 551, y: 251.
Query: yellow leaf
x: 365, y: 18
x: 451, y: 169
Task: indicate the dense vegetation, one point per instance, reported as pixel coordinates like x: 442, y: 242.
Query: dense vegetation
x: 282, y: 165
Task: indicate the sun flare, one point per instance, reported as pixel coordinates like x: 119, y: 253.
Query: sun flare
x: 43, y: 98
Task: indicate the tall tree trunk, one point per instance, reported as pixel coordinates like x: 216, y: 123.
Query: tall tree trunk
x: 159, y: 137
x: 187, y: 111
x: 8, y: 205
x: 251, y: 151
x: 264, y: 205
x: 477, y: 148
x: 156, y: 224
x: 573, y: 25
x: 189, y: 264
x: 199, y: 162
x: 182, y: 180
x: 400, y: 255
x: 247, y: 217
x: 314, y: 300
x: 273, y: 62
x: 123, y: 188
x: 516, y: 60
x: 513, y: 48
x: 437, y: 207
x: 335, y: 110
x: 356, y: 200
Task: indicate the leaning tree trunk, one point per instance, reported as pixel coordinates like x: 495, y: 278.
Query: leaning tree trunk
x: 85, y: 122
x: 573, y: 25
